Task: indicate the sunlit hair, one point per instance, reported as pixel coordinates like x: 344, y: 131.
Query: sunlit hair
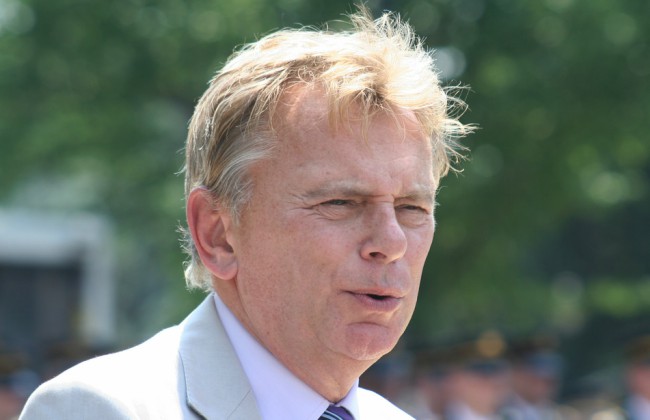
x: 378, y: 66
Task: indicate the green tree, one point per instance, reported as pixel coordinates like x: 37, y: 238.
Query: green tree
x: 545, y: 227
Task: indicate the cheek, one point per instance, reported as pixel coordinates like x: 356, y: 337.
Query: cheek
x: 260, y: 277
x: 419, y: 246
x: 286, y: 271
x: 321, y: 247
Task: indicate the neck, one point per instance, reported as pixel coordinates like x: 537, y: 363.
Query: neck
x: 330, y: 376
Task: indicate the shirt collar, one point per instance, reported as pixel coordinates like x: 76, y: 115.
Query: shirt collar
x: 279, y: 393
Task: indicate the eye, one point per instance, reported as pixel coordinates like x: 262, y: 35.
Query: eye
x: 413, y: 215
x: 413, y: 207
x: 338, y: 202
x: 339, y: 208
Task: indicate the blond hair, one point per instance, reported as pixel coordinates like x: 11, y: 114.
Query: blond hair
x: 378, y: 66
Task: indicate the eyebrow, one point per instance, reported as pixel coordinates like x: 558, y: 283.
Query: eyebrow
x: 347, y: 189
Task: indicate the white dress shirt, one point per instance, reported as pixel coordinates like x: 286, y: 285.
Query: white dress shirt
x: 279, y: 393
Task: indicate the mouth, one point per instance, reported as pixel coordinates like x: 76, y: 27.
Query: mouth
x: 377, y: 302
x: 378, y: 297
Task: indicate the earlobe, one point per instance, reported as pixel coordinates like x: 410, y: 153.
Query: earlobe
x: 209, y: 226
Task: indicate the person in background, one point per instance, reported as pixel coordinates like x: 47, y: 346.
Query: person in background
x: 480, y: 381
x: 312, y: 165
x: 536, y: 374
x: 637, y: 378
x: 433, y: 368
x: 16, y: 382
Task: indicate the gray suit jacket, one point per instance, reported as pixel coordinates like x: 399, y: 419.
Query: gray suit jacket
x: 185, y: 372
x: 189, y: 371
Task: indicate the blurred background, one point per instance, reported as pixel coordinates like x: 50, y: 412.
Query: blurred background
x: 543, y: 233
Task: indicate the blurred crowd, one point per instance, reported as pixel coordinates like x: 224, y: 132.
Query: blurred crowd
x: 17, y: 381
x: 21, y: 372
x: 487, y: 378
x: 484, y: 378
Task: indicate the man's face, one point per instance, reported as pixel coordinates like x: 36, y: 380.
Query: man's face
x: 331, y: 246
x: 483, y: 392
x: 534, y: 387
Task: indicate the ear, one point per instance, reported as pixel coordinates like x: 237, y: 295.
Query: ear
x: 209, y: 226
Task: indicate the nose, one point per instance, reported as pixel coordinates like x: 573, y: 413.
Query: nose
x: 386, y: 240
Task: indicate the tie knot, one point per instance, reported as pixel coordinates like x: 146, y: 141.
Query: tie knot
x: 334, y: 412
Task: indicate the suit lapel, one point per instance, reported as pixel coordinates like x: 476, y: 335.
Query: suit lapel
x: 217, y: 387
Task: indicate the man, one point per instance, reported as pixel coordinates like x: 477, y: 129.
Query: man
x: 312, y: 163
x: 536, y: 374
x: 479, y: 381
x: 637, y: 378
x: 434, y: 369
x: 15, y: 382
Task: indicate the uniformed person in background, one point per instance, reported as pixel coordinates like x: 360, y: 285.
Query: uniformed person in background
x: 16, y: 382
x: 479, y: 382
x: 536, y: 374
x: 432, y: 370
x: 637, y: 379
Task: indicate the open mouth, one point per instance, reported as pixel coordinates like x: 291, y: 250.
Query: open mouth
x: 378, y: 303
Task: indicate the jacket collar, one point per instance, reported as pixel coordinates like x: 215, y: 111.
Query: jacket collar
x: 216, y: 385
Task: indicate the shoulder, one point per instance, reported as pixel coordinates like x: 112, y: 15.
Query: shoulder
x: 60, y: 399
x: 374, y: 406
x: 128, y: 368
x: 106, y: 385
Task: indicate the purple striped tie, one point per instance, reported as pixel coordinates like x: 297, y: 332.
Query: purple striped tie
x: 336, y: 413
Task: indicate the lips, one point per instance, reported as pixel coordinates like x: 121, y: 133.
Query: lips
x: 377, y: 301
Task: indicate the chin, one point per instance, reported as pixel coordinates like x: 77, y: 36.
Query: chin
x: 367, y: 342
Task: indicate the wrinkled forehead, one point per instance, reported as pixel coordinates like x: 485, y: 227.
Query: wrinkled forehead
x: 309, y: 105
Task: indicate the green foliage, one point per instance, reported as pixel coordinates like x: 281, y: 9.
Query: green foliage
x: 95, y: 102
x: 559, y: 89
x: 545, y: 228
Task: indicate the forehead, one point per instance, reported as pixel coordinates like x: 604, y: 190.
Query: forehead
x: 387, y: 153
x: 306, y: 109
